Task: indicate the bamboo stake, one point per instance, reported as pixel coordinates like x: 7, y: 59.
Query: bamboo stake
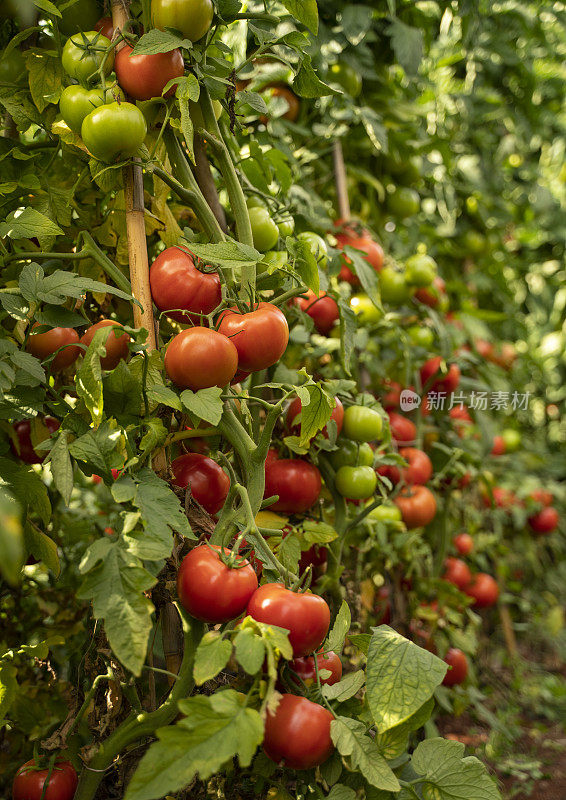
x: 341, y: 185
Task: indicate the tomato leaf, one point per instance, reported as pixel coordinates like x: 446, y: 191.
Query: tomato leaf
x: 156, y: 41
x: 213, y: 731
x: 212, y: 655
x: 339, y: 631
x: 407, y: 44
x: 307, y: 84
x: 204, y: 404
x: 346, y: 688
x: 250, y: 650
x: 27, y: 488
x: 88, y: 378
x: 45, y: 78
x: 28, y: 223
x: 165, y: 396
x: 61, y: 467
x: 315, y: 532
x: 230, y: 255
x: 449, y: 773
x: 8, y: 688
x: 12, y: 553
x: 395, y: 741
x: 352, y: 743
x: 341, y: 792
x: 375, y: 129
x: 400, y: 677
x: 305, y: 11
x: 356, y: 22
x: 348, y: 327
x: 43, y: 548
x: 99, y: 448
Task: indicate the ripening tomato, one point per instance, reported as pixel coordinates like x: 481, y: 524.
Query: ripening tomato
x: 212, y: 591
x: 403, y: 431
x: 419, y: 470
x: 177, y: 283
x: 464, y: 544
x: 25, y: 449
x: 105, y: 26
x: 433, y: 296
x: 484, y: 348
x: 116, y: 344
x: 457, y: 572
x: 370, y: 249
x: 297, y: 734
x: 84, y: 54
x: 356, y: 483
x: 502, y: 498
x: 305, y: 668
x: 293, y: 102
x: 362, y: 424
x: 483, y: 589
x: 511, y: 440
x: 115, y: 130
x: 392, y: 398
x: 30, y: 781
x: 418, y: 506
x: 306, y: 616
x: 292, y: 418
x: 260, y: 336
x: 435, y: 381
x: 458, y: 663
x: 542, y: 496
x: 43, y: 345
x: 460, y: 414
x: 351, y: 454
x: 265, y: 232
x: 208, y: 482
x: 199, y: 358
x: 321, y: 308
x: 296, y: 482
x: 192, y: 17
x: 145, y: 76
x: 545, y: 521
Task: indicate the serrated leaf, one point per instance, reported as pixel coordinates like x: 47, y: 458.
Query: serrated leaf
x: 124, y: 489
x: 156, y: 41
x: 352, y: 743
x: 315, y: 532
x: 361, y: 641
x: 165, y: 396
x: 348, y: 328
x: 27, y: 488
x: 316, y: 413
x: 449, y: 774
x: 99, y: 448
x: 88, y: 378
x: 212, y: 655
x: 307, y: 84
x: 61, y: 467
x: 341, y: 792
x: 339, y: 631
x: 230, y: 255
x: 204, y: 404
x: 28, y: 223
x: 250, y: 651
x: 346, y: 688
x: 45, y: 78
x: 154, y: 436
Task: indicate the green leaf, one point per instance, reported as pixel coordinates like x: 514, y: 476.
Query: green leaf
x: 165, y: 396
x: 100, y: 448
x: 48, y: 7
x: 304, y: 263
x: 341, y: 792
x: 375, y: 129
x: 400, y: 677
x: 124, y: 489
x: 213, y: 731
x: 366, y: 274
x: 27, y: 488
x: 204, y: 404
x: 361, y: 641
x: 61, y: 467
x: 339, y: 631
x: 43, y: 548
x: 394, y: 742
x: 407, y: 44
x: 12, y: 553
x: 356, y: 22
x: 250, y: 651
x: 188, y: 89
x: 45, y: 78
x: 27, y: 224
x: 88, y: 378
x: 348, y: 328
x: 315, y: 532
x: 155, y: 435
x: 352, y: 743
x: 346, y: 688
x: 315, y: 413
x: 305, y: 11
x: 449, y: 774
x: 289, y: 553
x: 230, y: 255
x: 307, y: 84
x: 212, y: 655
x: 156, y: 41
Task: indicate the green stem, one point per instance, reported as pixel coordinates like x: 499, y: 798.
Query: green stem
x: 196, y: 433
x: 88, y: 697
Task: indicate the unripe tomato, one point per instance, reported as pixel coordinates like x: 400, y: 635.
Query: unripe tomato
x: 30, y: 781
x: 297, y: 734
x: 199, y: 358
x: 13, y: 67
x: 260, y: 336
x: 306, y: 616
x: 43, y: 345
x: 431, y: 371
x: 420, y: 270
x: 321, y: 308
x: 286, y: 225
x: 76, y: 103
x: 81, y: 16
x: 115, y: 130
x: 421, y: 336
x: 24, y: 449
x: 419, y: 470
x: 84, y: 53
x: 145, y: 76
x: 386, y: 513
x: 356, y: 483
x: 362, y: 424
x: 483, y: 589
x: 347, y: 77
x: 458, y: 662
x: 464, y: 544
x: 457, y: 572
x: 545, y: 521
x: 293, y: 420
x: 116, y: 344
x: 192, y: 17
x: 273, y: 260
x: 177, y: 283
x: 404, y: 202
x: 105, y: 26
x: 317, y: 246
x: 394, y: 287
x: 351, y: 454
x: 511, y: 439
x: 208, y: 482
x: 498, y: 448
x: 365, y: 308
x: 264, y: 230
x: 305, y: 668
x: 210, y: 590
x: 402, y: 429
x: 418, y: 506
x: 296, y: 482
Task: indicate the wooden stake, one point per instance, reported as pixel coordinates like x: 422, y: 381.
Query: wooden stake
x: 341, y: 185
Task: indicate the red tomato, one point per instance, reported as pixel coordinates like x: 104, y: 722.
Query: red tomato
x: 116, y: 345
x: 545, y: 521
x: 498, y: 448
x: 542, y: 496
x: 24, y: 450
x: 43, y: 345
x: 144, y: 77
x: 457, y: 572
x: 393, y: 397
x: 260, y: 336
x: 483, y: 589
x: 430, y: 295
x: 298, y: 733
x: 321, y: 308
x: 373, y: 252
x: 96, y: 479
x: 447, y: 383
x: 199, y: 358
x: 306, y: 616
x: 458, y: 662
x: 290, y: 97
x: 506, y: 356
x: 208, y: 482
x: 210, y: 590
x: 418, y: 506
x: 484, y: 349
x: 177, y: 283
x: 465, y: 480
x: 297, y: 482
x: 502, y: 498
x: 305, y: 669
x: 419, y: 470
x: 464, y: 544
x: 403, y: 431
x: 460, y: 414
x: 105, y: 27
x: 29, y: 782
x: 382, y: 608
x: 294, y: 410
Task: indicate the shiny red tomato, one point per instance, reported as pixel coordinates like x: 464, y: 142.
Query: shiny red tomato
x: 417, y: 505
x: 372, y: 252
x: 177, y: 283
x: 24, y: 450
x: 116, y: 344
x: 545, y: 521
x: 297, y: 482
x: 447, y: 382
x: 212, y: 591
x: 498, y: 448
x: 199, y: 358
x: 260, y: 336
x: 419, y: 470
x: 458, y: 662
x: 321, y: 308
x: 306, y: 616
x: 297, y: 734
x: 43, y: 345
x: 431, y: 296
x: 305, y: 668
x: 293, y: 424
x: 208, y: 482
x: 457, y: 572
x: 483, y: 589
x: 29, y: 782
x: 145, y: 76
x: 464, y: 544
x: 403, y: 431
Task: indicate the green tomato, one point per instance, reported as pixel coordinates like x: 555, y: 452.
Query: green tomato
x: 273, y: 260
x: 264, y: 230
x: 365, y: 309
x: 76, y: 103
x: 116, y: 130
x: 394, y: 287
x: 286, y: 225
x: 362, y: 424
x: 420, y: 270
x: 404, y: 202
x: 13, y: 68
x: 192, y: 17
x: 421, y: 336
x: 386, y: 512
x: 356, y: 483
x: 81, y: 16
x: 512, y: 439
x: 317, y: 246
x: 346, y: 77
x: 254, y: 201
x: 351, y: 454
x: 84, y: 53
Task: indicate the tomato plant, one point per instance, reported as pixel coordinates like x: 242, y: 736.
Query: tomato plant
x: 206, y: 479
x: 146, y: 76
x: 57, y: 783
x: 176, y: 283
x: 260, y: 336
x: 297, y: 734
x: 198, y: 358
x: 114, y: 130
